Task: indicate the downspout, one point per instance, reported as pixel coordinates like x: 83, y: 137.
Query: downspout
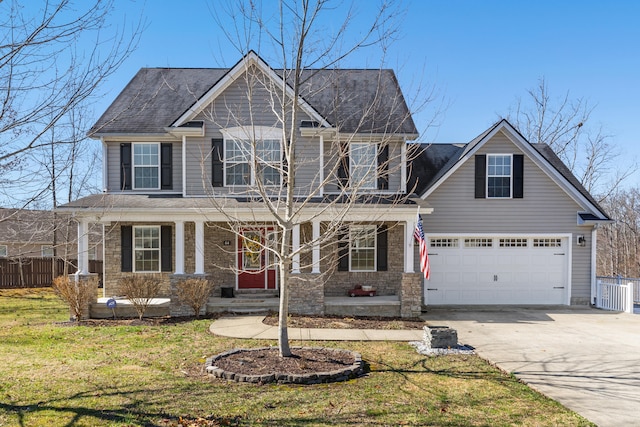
x: 594, y: 241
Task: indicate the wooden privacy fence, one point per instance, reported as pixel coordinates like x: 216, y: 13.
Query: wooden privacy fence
x: 37, y: 272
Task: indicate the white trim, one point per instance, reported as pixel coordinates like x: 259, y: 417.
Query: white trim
x: 409, y: 257
x: 133, y: 248
x: 487, y: 176
x: 133, y: 165
x: 315, y: 254
x: 232, y: 75
x: 105, y: 168
x: 199, y: 247
x: 403, y: 167
x: 321, y: 183
x: 179, y: 227
x: 184, y: 166
x: 531, y: 153
x: 295, y: 246
x: 594, y: 241
x: 375, y: 247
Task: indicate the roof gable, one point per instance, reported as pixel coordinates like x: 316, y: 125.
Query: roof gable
x: 540, y: 154
x: 351, y: 100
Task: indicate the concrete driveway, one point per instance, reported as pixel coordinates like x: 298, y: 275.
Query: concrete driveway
x: 586, y: 359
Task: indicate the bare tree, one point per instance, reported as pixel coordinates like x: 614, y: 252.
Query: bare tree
x: 307, y: 53
x: 565, y: 125
x: 45, y: 76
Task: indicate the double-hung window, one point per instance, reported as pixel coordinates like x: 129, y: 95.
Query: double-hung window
x: 146, y: 166
x: 362, y: 251
x: 252, y: 155
x: 363, y: 165
x: 146, y: 248
x: 499, y: 176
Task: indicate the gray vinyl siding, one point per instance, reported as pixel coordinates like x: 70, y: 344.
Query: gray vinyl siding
x: 229, y: 110
x: 113, y: 166
x: 331, y: 150
x: 545, y: 208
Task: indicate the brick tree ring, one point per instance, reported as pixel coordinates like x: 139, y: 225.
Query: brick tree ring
x: 308, y: 365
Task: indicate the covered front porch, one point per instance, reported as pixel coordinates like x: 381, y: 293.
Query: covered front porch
x: 197, y: 242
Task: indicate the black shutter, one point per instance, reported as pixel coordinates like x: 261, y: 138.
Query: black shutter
x: 126, y: 248
x: 481, y: 174
x: 217, y: 166
x: 381, y: 248
x: 165, y: 248
x: 343, y: 167
x: 518, y: 176
x: 125, y: 166
x: 343, y: 252
x: 166, y: 166
x: 383, y: 168
x: 285, y: 168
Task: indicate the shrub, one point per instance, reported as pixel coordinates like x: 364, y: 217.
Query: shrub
x: 140, y: 290
x: 76, y: 293
x: 194, y: 293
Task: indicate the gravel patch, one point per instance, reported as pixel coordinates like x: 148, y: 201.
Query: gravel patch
x: 427, y: 350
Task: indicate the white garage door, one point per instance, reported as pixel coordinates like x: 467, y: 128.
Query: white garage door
x: 525, y: 270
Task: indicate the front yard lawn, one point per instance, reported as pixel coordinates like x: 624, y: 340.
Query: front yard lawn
x: 53, y: 374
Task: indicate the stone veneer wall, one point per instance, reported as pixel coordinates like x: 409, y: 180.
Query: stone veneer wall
x: 220, y: 261
x: 386, y: 282
x: 176, y: 307
x: 306, y: 294
x: 92, y: 281
x: 411, y: 295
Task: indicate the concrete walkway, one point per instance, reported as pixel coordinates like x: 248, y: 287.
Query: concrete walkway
x: 586, y: 359
x: 251, y: 327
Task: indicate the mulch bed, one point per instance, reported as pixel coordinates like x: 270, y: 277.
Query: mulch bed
x: 338, y: 322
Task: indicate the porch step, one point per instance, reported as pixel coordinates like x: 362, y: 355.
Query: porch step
x: 256, y: 293
x: 245, y: 302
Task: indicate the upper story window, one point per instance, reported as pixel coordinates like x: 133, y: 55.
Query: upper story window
x: 363, y: 163
x: 146, y: 248
x: 146, y: 166
x: 498, y: 176
x: 3, y: 251
x: 46, y: 251
x: 249, y: 158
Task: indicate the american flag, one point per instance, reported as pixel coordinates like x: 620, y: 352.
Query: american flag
x: 424, y: 256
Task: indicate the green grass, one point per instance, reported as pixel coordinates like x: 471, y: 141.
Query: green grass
x: 52, y: 374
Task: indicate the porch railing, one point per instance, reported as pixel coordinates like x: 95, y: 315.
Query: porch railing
x: 617, y: 293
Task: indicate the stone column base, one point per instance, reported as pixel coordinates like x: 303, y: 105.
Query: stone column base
x: 89, y: 280
x: 306, y: 294
x: 411, y: 295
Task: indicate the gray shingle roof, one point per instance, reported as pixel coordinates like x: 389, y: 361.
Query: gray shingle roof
x: 363, y: 101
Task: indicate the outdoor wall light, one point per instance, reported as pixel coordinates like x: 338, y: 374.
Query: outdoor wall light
x: 580, y: 241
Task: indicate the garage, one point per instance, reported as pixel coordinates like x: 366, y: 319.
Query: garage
x: 515, y: 270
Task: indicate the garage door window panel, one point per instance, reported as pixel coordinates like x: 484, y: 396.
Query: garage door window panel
x: 514, y: 243
x: 478, y: 243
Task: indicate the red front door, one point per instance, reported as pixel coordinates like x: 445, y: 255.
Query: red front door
x: 256, y: 269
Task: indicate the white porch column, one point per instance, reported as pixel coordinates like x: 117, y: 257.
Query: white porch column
x: 295, y: 246
x: 179, y: 247
x: 316, y: 248
x: 199, y: 247
x: 408, y: 246
x: 83, y: 247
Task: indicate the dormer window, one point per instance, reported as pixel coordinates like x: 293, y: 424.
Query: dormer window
x: 498, y: 176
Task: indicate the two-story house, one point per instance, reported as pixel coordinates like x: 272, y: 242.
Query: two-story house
x: 189, y: 156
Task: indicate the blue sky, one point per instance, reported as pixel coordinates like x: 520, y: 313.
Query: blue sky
x: 479, y: 55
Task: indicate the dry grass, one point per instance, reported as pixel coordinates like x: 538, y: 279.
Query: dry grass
x: 54, y: 374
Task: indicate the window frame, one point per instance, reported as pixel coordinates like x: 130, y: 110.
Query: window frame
x: 46, y: 248
x: 242, y: 136
x: 4, y: 251
x: 373, y: 229
x: 489, y: 176
x: 134, y: 167
x: 135, y: 249
x: 367, y: 178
